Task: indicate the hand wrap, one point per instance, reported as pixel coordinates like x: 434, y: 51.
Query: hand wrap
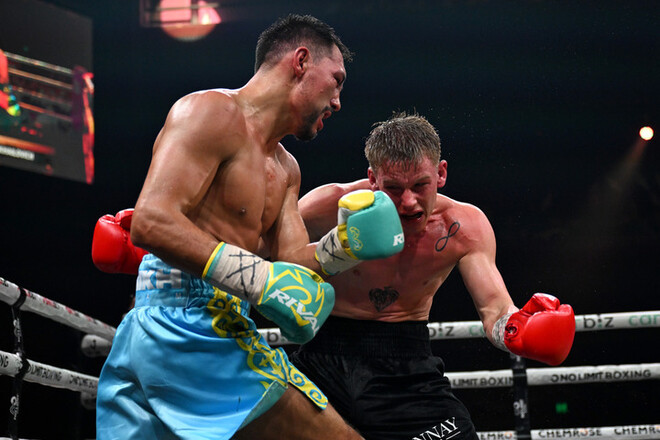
x: 294, y: 297
x: 368, y: 228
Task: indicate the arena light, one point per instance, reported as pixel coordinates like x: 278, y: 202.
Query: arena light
x: 646, y: 133
x: 185, y: 20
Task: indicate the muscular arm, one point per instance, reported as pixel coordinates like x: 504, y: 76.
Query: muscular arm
x: 318, y: 208
x: 185, y: 160
x: 288, y: 239
x: 480, y: 274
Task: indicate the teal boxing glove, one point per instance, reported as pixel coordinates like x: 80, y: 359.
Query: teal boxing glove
x: 368, y: 228
x: 294, y: 297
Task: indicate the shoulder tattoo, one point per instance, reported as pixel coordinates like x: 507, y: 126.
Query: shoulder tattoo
x: 442, y: 241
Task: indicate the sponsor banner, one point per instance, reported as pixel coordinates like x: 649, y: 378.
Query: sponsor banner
x: 481, y: 379
x: 611, y: 321
x: 456, y: 330
x: 630, y: 432
x: 596, y: 374
x: 556, y: 376
x: 474, y: 329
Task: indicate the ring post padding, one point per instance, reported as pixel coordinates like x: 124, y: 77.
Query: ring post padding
x: 10, y: 292
x: 520, y: 398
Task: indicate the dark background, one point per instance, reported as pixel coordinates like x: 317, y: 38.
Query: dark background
x: 538, y: 105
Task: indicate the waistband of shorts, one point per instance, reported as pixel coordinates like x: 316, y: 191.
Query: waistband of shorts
x: 173, y: 298
x: 159, y: 284
x: 365, y: 338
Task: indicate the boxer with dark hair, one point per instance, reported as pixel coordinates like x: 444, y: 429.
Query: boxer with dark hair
x: 187, y: 361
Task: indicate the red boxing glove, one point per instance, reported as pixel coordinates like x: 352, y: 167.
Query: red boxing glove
x: 112, y: 249
x: 542, y: 330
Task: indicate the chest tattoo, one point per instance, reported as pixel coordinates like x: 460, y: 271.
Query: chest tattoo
x: 442, y: 241
x: 382, y: 298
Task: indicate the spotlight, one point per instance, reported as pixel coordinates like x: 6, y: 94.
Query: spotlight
x: 185, y: 20
x: 646, y: 133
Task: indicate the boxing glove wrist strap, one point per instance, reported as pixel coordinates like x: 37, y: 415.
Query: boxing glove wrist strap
x: 499, y: 329
x: 239, y: 272
x: 331, y: 254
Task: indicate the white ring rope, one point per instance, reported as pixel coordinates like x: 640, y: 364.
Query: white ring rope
x: 10, y: 292
x: 474, y: 329
x: 94, y: 346
x: 629, y: 432
x: 98, y: 341
x: 556, y: 375
x: 10, y: 365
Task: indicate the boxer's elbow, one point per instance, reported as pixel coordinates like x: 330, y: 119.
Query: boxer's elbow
x: 144, y: 229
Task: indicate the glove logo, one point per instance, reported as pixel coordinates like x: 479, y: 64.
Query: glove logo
x: 288, y: 301
x: 398, y: 239
x: 356, y: 243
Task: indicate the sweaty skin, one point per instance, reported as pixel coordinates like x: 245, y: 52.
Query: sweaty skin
x: 218, y: 171
x: 440, y: 233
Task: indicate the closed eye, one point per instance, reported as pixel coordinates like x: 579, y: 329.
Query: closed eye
x: 393, y: 189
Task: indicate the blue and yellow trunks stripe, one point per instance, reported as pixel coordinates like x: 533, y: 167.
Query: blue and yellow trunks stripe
x: 188, y: 362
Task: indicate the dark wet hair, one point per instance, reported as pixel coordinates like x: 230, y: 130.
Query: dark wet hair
x: 297, y: 30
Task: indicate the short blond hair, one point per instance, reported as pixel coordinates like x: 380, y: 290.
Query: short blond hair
x: 402, y: 139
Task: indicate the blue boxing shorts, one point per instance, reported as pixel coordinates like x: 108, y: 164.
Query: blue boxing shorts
x: 188, y: 363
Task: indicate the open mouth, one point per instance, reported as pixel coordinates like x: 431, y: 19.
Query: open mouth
x: 324, y: 115
x: 411, y: 217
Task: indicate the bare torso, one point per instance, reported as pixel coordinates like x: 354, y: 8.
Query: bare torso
x: 224, y: 175
x: 247, y: 192
x: 402, y: 287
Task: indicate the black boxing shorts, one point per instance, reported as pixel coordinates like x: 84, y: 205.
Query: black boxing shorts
x: 384, y: 380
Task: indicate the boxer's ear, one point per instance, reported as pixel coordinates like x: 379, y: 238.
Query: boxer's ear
x: 442, y: 173
x: 300, y: 60
x: 372, y: 179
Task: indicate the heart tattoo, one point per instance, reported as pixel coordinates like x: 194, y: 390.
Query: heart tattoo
x: 383, y: 298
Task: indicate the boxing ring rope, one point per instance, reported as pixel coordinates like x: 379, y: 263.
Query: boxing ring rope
x: 10, y: 293
x: 94, y: 346
x: 11, y: 364
x: 474, y: 329
x: 97, y: 342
